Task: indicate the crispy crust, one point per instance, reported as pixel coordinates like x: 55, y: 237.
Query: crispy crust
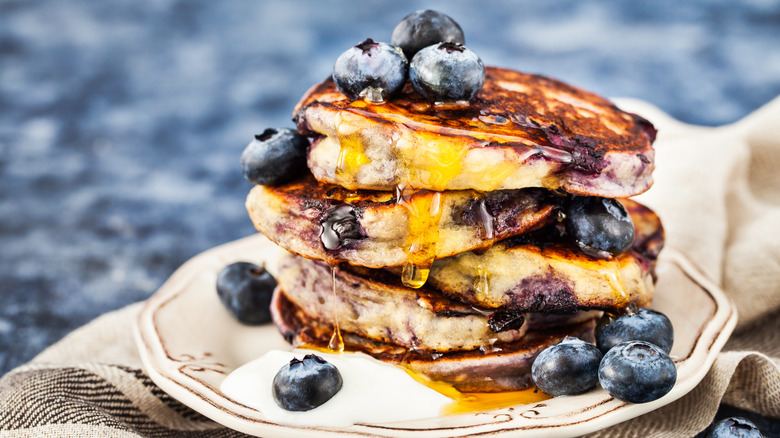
x: 556, y: 276
x: 379, y: 307
x: 498, y: 367
x: 291, y: 215
x: 520, y: 131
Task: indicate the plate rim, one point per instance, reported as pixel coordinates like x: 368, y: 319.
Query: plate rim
x: 203, y: 397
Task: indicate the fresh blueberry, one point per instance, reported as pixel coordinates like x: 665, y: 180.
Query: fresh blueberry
x: 643, y: 325
x: 340, y: 227
x: 274, y: 157
x: 372, y: 70
x: 637, y: 372
x: 245, y: 289
x: 302, y: 385
x: 568, y: 368
x: 447, y: 72
x: 424, y: 28
x: 600, y: 226
x: 734, y: 427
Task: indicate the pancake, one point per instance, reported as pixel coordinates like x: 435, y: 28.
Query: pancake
x: 550, y: 275
x: 497, y: 367
x: 380, y: 308
x: 520, y: 131
x: 380, y: 231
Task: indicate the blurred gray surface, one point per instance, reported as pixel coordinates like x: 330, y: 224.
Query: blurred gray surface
x: 121, y: 123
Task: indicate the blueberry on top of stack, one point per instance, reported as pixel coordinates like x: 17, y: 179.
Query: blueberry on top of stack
x: 469, y: 214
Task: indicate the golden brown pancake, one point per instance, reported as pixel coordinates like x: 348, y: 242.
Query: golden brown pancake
x: 554, y: 275
x: 379, y: 307
x: 387, y: 232
x: 520, y: 131
x: 502, y: 366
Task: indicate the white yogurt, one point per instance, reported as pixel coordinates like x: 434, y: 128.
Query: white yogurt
x: 372, y: 391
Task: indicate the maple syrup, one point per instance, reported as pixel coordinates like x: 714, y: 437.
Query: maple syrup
x: 424, y: 213
x: 336, y: 343
x: 468, y: 402
x: 351, y: 154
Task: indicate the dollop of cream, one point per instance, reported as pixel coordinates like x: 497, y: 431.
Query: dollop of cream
x: 372, y: 391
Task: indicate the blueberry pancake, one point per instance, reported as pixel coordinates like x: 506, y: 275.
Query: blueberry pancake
x: 374, y: 229
x: 544, y: 271
x: 379, y: 307
x: 375, y: 305
x: 520, y: 130
x: 499, y: 366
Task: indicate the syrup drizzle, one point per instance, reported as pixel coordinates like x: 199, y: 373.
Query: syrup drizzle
x: 485, y: 221
x: 609, y: 270
x: 482, y: 280
x: 351, y: 155
x: 424, y: 213
x: 434, y: 164
x: 336, y: 343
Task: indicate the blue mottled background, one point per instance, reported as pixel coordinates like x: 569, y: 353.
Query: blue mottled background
x: 121, y: 123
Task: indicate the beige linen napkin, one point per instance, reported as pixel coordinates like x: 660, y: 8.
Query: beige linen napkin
x: 718, y: 193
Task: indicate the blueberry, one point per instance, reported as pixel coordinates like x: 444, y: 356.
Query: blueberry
x: 600, y: 226
x: 245, y: 289
x: 274, y: 157
x: 424, y: 28
x: 340, y: 227
x: 644, y: 325
x: 372, y: 70
x: 568, y: 368
x: 302, y: 385
x: 447, y: 72
x: 637, y: 372
x: 734, y: 427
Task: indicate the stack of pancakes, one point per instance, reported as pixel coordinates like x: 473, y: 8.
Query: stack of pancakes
x: 432, y: 234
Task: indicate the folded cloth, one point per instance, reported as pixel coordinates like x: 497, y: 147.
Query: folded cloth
x: 718, y: 193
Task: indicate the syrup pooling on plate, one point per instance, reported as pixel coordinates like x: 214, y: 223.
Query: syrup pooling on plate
x: 470, y: 402
x: 424, y: 212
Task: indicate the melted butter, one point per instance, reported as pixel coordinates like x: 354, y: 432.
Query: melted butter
x: 469, y: 402
x: 336, y: 343
x: 424, y: 214
x: 351, y: 154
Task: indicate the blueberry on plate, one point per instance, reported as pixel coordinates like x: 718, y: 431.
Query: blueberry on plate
x: 447, y: 72
x: 302, y: 385
x: 643, y: 325
x: 734, y: 427
x: 424, y: 28
x: 637, y: 372
x: 600, y: 226
x: 568, y: 368
x: 274, y: 157
x: 245, y: 289
x: 372, y: 70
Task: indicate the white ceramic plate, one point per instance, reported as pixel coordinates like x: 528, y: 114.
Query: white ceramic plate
x: 189, y: 343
